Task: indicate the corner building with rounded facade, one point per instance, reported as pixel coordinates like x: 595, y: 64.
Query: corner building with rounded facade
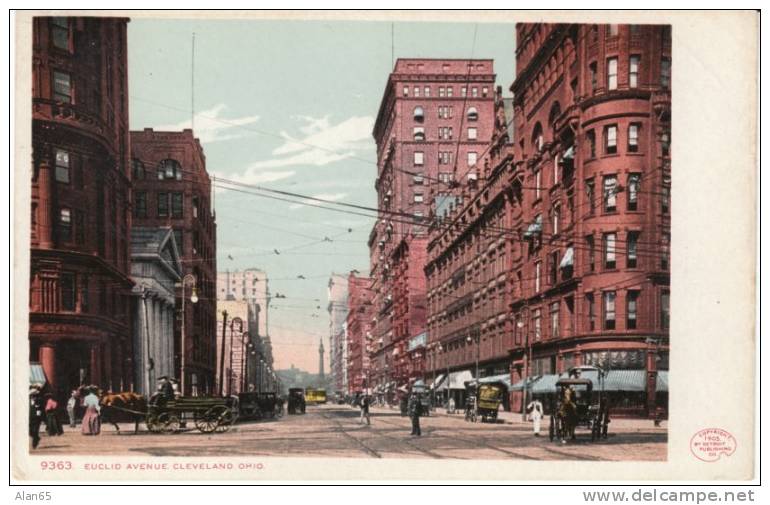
x: 592, y: 121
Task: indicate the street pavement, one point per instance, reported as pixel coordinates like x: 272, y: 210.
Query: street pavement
x: 335, y: 431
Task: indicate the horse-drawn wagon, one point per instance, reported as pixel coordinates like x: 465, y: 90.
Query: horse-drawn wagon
x: 208, y: 414
x: 580, y: 403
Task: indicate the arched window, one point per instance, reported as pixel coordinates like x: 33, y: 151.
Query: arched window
x: 554, y: 114
x: 169, y: 169
x: 419, y: 114
x: 473, y: 114
x: 537, y: 137
x: 138, y: 169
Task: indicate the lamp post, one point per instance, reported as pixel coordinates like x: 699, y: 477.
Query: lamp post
x: 232, y: 335
x: 245, y: 348
x: 527, y: 358
x: 189, y: 278
x: 477, y: 338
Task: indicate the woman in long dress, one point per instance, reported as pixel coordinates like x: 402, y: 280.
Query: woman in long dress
x: 91, y: 424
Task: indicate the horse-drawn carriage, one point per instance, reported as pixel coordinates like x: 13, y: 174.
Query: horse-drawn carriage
x: 580, y: 404
x: 255, y: 405
x: 296, y: 401
x: 208, y: 414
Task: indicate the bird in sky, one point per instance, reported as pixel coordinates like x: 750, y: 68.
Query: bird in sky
x: 229, y: 257
x: 300, y: 276
x: 327, y: 239
x: 276, y: 251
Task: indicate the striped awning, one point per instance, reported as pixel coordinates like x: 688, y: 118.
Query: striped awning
x: 661, y: 382
x: 545, y: 384
x: 437, y: 382
x: 519, y: 386
x: 37, y: 374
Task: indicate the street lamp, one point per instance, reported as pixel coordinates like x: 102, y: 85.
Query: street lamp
x: 470, y: 339
x: 245, y: 349
x: 527, y: 359
x: 188, y: 279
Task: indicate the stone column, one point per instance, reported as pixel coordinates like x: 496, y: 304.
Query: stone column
x: 47, y: 357
x: 45, y: 212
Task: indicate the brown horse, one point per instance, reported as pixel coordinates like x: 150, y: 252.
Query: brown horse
x: 123, y: 407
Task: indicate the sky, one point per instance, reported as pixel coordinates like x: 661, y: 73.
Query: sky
x: 290, y: 105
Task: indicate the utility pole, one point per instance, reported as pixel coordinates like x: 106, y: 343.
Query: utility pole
x: 222, y: 355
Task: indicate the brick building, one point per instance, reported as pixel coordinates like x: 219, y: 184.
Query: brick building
x: 172, y: 188
x: 338, y: 314
x: 468, y: 272
x: 433, y: 126
x: 79, y: 310
x: 592, y: 123
x: 358, y: 332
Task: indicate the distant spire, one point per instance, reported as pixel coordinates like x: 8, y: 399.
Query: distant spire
x: 321, y: 358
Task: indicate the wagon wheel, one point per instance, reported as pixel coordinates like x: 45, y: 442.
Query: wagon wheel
x: 206, y: 422
x: 223, y: 417
x: 169, y: 423
x: 152, y: 423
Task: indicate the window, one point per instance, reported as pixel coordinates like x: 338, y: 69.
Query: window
x: 417, y: 91
x: 419, y: 114
x: 633, y: 137
x: 80, y: 227
x: 406, y: 90
x: 612, y: 73
x: 633, y: 71
x: 613, y: 31
x: 169, y: 169
x: 665, y: 143
x: 195, y: 207
x: 555, y: 320
x: 83, y: 293
x: 418, y: 158
x: 538, y: 183
x: 162, y: 204
x: 664, y: 199
x: 137, y: 169
x: 594, y: 76
x: 418, y: 198
x: 665, y: 73
x: 177, y: 204
x: 427, y: 91
x: 62, y: 87
x: 537, y: 137
x: 62, y: 166
x: 418, y: 178
x: 608, y: 240
x: 445, y: 158
x: 610, y: 139
x: 610, y: 191
x: 553, y: 267
x: 632, y: 239
x: 445, y: 177
x: 591, y: 138
x: 445, y: 133
x: 68, y: 293
x: 631, y: 309
x: 632, y: 203
x: 665, y: 241
x: 591, y: 311
x: 441, y: 92
x: 474, y: 92
x: 472, y: 158
x: 140, y: 204
x: 484, y: 91
x: 179, y: 239
x: 536, y: 323
x: 538, y: 268
x: 472, y: 132
x: 665, y: 314
x: 449, y: 91
x: 60, y: 32
x: 473, y: 114
x: 419, y: 133
x: 65, y: 225
x: 609, y: 310
x: 555, y: 218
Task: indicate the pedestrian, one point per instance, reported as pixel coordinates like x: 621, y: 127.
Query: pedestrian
x: 35, y: 415
x: 52, y: 424
x: 415, y: 411
x: 365, y: 410
x: 91, y: 423
x: 535, y: 410
x: 71, y: 405
x: 451, y: 409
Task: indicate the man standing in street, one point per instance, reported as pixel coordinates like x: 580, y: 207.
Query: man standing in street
x: 365, y: 410
x: 71, y: 405
x: 415, y: 411
x: 535, y: 409
x: 35, y: 415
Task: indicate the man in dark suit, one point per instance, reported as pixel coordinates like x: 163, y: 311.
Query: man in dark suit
x: 415, y: 411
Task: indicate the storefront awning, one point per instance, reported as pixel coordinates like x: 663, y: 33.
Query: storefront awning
x: 437, y: 381
x: 661, y: 382
x: 545, y: 384
x: 36, y: 374
x: 502, y: 378
x: 457, y: 380
x: 569, y: 258
x: 519, y: 386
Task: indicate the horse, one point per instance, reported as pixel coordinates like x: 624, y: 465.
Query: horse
x: 123, y: 407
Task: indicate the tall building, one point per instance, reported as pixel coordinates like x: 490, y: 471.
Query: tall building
x: 338, y: 313
x: 250, y: 285
x: 359, y: 326
x: 172, y: 188
x: 592, y: 112
x: 80, y: 289
x: 433, y: 127
x: 469, y: 279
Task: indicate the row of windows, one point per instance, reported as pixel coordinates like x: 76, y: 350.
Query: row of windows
x: 444, y: 112
x: 168, y: 204
x: 444, y: 91
x: 74, y: 292
x: 610, y: 140
x: 444, y: 133
x: 445, y: 158
x: 634, y: 64
x: 168, y: 169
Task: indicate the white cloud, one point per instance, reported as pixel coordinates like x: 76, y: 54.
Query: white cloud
x: 322, y: 142
x: 332, y: 197
x: 253, y: 176
x: 212, y: 126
